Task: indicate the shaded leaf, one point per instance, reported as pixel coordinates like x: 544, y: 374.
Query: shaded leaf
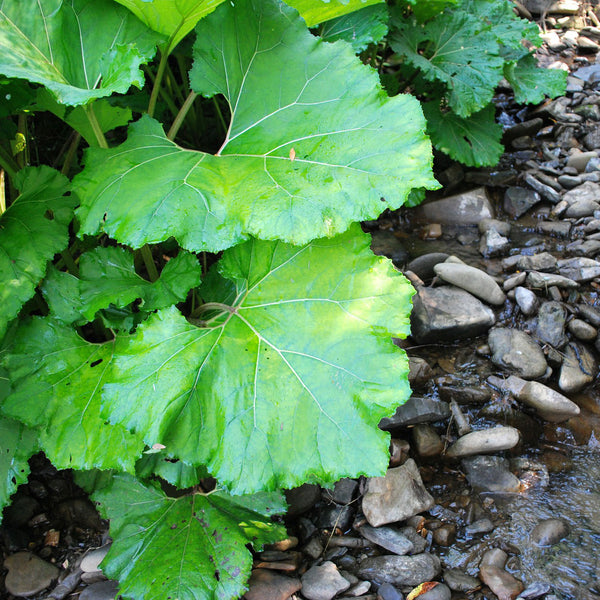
x: 17, y: 444
x: 282, y: 387
x: 427, y: 9
x: 78, y: 49
x: 474, y: 141
x: 316, y: 11
x: 361, y: 28
x: 186, y: 548
x: 456, y: 49
x: 56, y: 379
x: 357, y: 151
x: 32, y: 231
x: 176, y: 472
x: 531, y: 84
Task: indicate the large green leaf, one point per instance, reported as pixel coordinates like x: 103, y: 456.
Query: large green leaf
x: 17, y: 444
x: 456, y: 49
x: 314, y: 144
x: 56, y: 380
x: 360, y: 28
x: 173, y: 18
x: 32, y: 231
x: 189, y: 548
x: 316, y: 11
x: 474, y: 141
x: 531, y: 84
x: 79, y: 49
x: 108, y: 276
x: 289, y: 383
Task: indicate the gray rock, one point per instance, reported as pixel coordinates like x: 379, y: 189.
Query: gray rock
x: 518, y: 200
x: 483, y: 525
x: 570, y: 181
x: 358, y: 589
x: 415, y: 410
x: 514, y: 350
x: 550, y: 404
x: 28, y: 574
x: 323, y: 582
x: 335, y: 515
x: 397, y: 496
x: 102, y: 590
x: 343, y: 491
x: 555, y: 228
x: 265, y: 584
x: 467, y: 208
x: 92, y: 558
x: 474, y: 281
x: 584, y: 247
x: 427, y: 441
x: 419, y: 372
x: 586, y: 191
x: 484, y: 441
x: 581, y: 208
x: 388, y: 592
x: 302, y: 498
x: 535, y: 590
x: 526, y: 299
x: 545, y: 191
x: 544, y: 261
x: 592, y: 139
x: 589, y: 73
x: 439, y: 592
x: 549, y: 532
x: 459, y: 581
x: 490, y: 474
x: 581, y: 330
x: 423, y: 265
x: 579, y: 269
x: 513, y: 281
x: 448, y: 313
x: 538, y: 280
x: 493, y: 244
x: 578, y: 369
x: 388, y: 538
x: 400, y: 570
x: 494, y: 225
x: 590, y: 313
x: 551, y: 323
x: 492, y: 573
x: 579, y: 160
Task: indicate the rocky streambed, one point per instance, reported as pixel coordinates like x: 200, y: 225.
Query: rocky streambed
x: 493, y: 489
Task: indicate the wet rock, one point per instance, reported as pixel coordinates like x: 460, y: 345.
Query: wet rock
x: 492, y: 573
x: 400, y: 570
x: 28, y: 574
x: 419, y: 371
x: 590, y: 313
x: 101, y: 590
x: 463, y: 393
x: 358, y: 589
x: 335, y: 516
x: 473, y: 280
x: 494, y: 225
x: 549, y: 532
x: 579, y: 269
x: 397, y: 496
x: 584, y: 248
x: 490, y: 474
x: 592, y: 139
x: 541, y: 188
x: 570, y: 181
x: 550, y: 404
x: 426, y: 440
x: 551, y: 323
x: 582, y: 200
x: 323, y: 582
x: 529, y: 127
x: 459, y: 581
x: 399, y: 450
x: 544, y: 261
x: 388, y: 592
x: 265, y: 584
x: 388, y: 538
x: 483, y: 525
x: 343, y: 491
x: 445, y: 535
x: 415, y: 410
x: 526, y: 299
x: 438, y: 592
x: 484, y: 441
x: 91, y: 560
x: 545, y: 281
x: 579, y: 368
x: 536, y: 590
x: 493, y: 244
x: 448, y: 313
x: 582, y: 331
x: 467, y: 208
x: 302, y: 498
x: 423, y: 265
x: 385, y: 243
x: 514, y: 350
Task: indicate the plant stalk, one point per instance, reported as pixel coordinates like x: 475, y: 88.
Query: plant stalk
x: 8, y: 163
x: 2, y: 192
x: 91, y: 115
x: 181, y: 115
x: 164, y: 56
x: 70, y: 155
x: 149, y: 262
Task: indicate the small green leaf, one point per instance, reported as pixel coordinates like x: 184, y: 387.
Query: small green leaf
x: 456, y: 49
x: 176, y: 472
x: 531, y: 84
x: 290, y: 382
x: 17, y: 444
x: 474, y: 141
x: 361, y: 28
x: 189, y: 548
x: 32, y: 231
x: 316, y: 11
x: 174, y: 20
x: 78, y: 49
x: 313, y: 145
x: 56, y: 380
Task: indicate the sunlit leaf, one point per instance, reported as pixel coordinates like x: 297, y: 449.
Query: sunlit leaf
x: 317, y: 11
x: 531, y: 84
x: 361, y: 28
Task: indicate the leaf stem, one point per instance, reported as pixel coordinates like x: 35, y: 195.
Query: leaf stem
x: 164, y: 56
x: 212, y: 306
x: 8, y: 163
x: 70, y: 155
x: 149, y: 262
x: 2, y: 192
x: 69, y: 262
x: 181, y: 115
x: 91, y: 115
x: 220, y: 115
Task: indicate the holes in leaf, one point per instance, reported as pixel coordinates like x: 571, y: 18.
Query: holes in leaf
x: 49, y: 214
x: 467, y: 140
x: 96, y: 362
x: 217, y: 575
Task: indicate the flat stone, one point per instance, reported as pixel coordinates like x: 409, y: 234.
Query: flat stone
x: 427, y: 441
x: 92, y: 558
x: 484, y: 441
x: 544, y: 261
x: 388, y: 592
x: 550, y: 404
x: 502, y: 583
x: 589, y: 73
x: 474, y: 281
x: 549, y: 532
x: 467, y: 208
x: 526, y: 299
x: 581, y: 330
x: 578, y: 369
x: 400, y: 570
x: 590, y: 313
x: 101, y: 590
x: 550, y: 324
x: 28, y: 574
x: 423, y: 265
x: 538, y: 280
x: 518, y: 200
x: 459, y: 581
x: 415, y: 410
x: 579, y: 269
x: 501, y: 227
x: 323, y: 582
x: 387, y: 538
x: 493, y: 244
x: 581, y: 208
x: 586, y: 191
x: 397, y: 496
x: 448, y: 313
x: 579, y: 160
x: 265, y: 584
x: 490, y: 474
x: 514, y: 350
x: 542, y: 189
